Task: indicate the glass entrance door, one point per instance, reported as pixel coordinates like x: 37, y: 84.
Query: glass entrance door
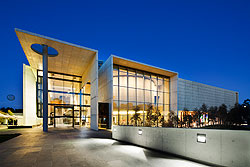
x: 63, y: 116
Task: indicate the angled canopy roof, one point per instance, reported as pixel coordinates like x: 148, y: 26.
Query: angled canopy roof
x: 141, y: 66
x: 72, y: 59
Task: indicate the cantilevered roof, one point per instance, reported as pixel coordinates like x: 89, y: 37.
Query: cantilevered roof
x: 72, y: 59
x: 141, y: 66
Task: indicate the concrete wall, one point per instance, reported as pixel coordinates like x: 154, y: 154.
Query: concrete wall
x: 91, y: 74
x: 222, y: 147
x: 29, y: 96
x: 192, y: 95
x: 173, y: 93
x: 105, y: 85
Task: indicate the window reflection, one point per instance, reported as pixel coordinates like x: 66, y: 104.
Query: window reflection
x: 123, y: 113
x: 139, y: 79
x: 123, y: 77
x: 115, y: 76
x: 115, y: 92
x: 131, y: 94
x: 147, y: 81
x: 143, y: 97
x: 65, y: 91
x: 123, y: 93
x: 131, y: 112
x: 115, y: 112
x: 140, y: 95
x: 131, y: 79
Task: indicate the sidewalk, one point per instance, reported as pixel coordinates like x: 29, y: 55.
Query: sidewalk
x: 79, y: 148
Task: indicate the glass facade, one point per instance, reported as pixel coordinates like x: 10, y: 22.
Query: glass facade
x: 139, y: 98
x: 66, y: 99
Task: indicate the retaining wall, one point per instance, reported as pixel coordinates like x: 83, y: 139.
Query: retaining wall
x: 222, y: 147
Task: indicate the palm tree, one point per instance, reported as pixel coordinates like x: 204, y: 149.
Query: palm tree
x: 149, y: 114
x: 153, y: 116
x: 156, y: 116
x: 136, y: 117
x: 172, y: 120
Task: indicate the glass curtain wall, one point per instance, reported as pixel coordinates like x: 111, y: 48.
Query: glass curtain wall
x: 139, y: 98
x: 65, y: 91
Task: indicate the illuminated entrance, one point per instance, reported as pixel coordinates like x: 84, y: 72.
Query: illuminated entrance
x: 63, y: 116
x: 68, y: 102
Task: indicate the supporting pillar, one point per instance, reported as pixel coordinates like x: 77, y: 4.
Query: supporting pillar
x: 42, y: 49
x: 45, y: 88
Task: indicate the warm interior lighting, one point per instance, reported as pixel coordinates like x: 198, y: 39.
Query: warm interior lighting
x: 129, y: 112
x: 201, y: 138
x: 140, y: 131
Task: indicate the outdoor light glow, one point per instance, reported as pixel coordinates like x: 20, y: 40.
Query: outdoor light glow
x: 140, y: 131
x: 201, y: 138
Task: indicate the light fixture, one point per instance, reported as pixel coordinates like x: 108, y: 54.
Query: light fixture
x: 140, y: 131
x: 201, y: 138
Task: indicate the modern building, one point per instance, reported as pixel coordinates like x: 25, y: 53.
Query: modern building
x: 85, y: 91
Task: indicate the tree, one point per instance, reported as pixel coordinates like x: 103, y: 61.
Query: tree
x: 136, y: 117
x: 222, y: 113
x: 196, y: 117
x: 235, y: 116
x: 246, y: 110
x: 153, y: 116
x: 212, y: 111
x: 149, y: 115
x: 190, y: 120
x: 156, y: 116
x: 204, y: 110
x: 6, y: 110
x: 187, y: 117
x: 172, y: 120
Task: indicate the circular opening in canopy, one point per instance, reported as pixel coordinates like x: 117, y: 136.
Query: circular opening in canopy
x: 11, y: 97
x: 38, y: 48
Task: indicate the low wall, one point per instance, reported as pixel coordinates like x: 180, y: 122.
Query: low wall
x: 222, y: 147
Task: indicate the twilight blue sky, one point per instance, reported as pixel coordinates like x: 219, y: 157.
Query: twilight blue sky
x: 207, y: 41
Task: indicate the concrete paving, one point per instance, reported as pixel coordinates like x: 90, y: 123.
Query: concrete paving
x: 79, y: 147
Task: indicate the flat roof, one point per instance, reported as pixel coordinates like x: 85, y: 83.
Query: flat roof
x: 72, y: 59
x: 141, y: 66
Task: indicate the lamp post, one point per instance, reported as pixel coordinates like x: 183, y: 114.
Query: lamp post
x: 45, y: 51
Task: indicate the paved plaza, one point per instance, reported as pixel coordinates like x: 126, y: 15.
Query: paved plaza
x: 68, y: 147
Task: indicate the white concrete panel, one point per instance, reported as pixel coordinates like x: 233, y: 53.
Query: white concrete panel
x: 174, y: 141
x: 154, y: 137
x: 173, y: 93
x: 209, y: 151
x: 222, y: 147
x: 105, y: 86
x: 235, y: 148
x: 91, y: 74
x: 29, y: 96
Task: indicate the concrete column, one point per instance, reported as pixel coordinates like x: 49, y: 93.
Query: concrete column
x: 45, y: 88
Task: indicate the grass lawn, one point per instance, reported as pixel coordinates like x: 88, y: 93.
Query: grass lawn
x: 5, y: 137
